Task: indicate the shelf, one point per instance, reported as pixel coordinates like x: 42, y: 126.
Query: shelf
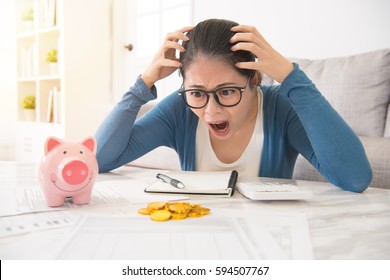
x: 27, y: 80
x: 49, y: 30
x: 24, y: 36
x: 49, y: 78
x: 36, y: 79
x: 38, y: 124
x: 33, y: 41
x: 63, y: 93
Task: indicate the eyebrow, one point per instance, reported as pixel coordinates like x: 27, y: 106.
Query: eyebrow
x: 218, y: 86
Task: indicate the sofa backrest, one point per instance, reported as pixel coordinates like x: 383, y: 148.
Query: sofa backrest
x: 358, y: 87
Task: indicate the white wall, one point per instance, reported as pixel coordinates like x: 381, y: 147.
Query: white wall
x: 7, y: 80
x: 307, y: 28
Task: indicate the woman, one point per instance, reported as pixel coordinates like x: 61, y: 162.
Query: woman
x: 222, y: 118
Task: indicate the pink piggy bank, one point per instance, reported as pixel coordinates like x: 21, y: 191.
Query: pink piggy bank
x: 68, y: 170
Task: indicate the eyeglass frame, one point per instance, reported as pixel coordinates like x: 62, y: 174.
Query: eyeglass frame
x: 207, y: 93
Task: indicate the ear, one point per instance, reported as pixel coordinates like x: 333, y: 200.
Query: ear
x: 256, y: 79
x: 51, y: 143
x: 90, y: 143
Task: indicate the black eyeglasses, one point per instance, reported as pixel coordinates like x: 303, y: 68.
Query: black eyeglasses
x: 225, y: 96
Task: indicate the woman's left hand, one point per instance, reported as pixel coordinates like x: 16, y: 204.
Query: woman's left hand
x: 269, y: 61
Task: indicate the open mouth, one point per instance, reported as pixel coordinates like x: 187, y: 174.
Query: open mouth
x: 220, y: 128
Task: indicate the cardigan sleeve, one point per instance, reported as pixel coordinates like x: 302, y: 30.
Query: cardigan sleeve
x: 334, y: 149
x: 122, y: 138
x: 115, y: 145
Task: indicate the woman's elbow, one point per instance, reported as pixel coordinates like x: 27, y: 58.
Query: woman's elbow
x: 104, y: 165
x: 358, y: 181
x: 104, y: 169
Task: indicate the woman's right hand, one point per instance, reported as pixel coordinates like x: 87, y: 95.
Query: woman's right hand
x: 165, y: 61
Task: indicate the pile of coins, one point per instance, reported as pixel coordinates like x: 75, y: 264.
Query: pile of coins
x: 163, y: 211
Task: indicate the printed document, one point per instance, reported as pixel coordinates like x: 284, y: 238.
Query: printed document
x: 230, y: 238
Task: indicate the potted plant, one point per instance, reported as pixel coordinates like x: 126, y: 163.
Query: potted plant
x: 29, y: 108
x: 51, y: 57
x: 28, y: 19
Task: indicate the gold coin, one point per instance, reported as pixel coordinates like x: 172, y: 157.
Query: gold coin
x: 179, y: 207
x: 144, y: 211
x: 163, y: 211
x: 177, y: 216
x: 156, y: 205
x: 160, y: 215
x: 198, y: 212
x: 195, y: 213
x: 204, y: 210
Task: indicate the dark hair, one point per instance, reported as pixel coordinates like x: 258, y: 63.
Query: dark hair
x: 211, y: 39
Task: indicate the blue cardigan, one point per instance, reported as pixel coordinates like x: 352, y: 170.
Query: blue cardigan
x: 297, y: 119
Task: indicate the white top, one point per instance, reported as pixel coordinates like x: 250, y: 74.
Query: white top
x: 249, y: 162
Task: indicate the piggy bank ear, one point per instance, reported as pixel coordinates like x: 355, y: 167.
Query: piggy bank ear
x: 51, y: 143
x: 90, y: 143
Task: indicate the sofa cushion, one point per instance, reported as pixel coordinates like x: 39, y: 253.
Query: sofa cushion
x: 303, y: 170
x: 358, y: 87
x: 378, y: 153
x: 159, y: 158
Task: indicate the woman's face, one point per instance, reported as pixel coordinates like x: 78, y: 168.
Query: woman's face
x: 210, y: 74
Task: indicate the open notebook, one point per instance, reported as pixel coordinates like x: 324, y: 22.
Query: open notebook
x: 219, y: 183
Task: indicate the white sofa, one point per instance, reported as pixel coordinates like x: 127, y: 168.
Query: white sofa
x: 358, y: 87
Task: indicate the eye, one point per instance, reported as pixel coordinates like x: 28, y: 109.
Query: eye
x: 81, y: 152
x: 64, y: 152
x: 226, y: 91
x: 196, y: 93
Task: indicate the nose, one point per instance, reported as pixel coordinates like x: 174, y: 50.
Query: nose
x: 212, y: 106
x: 75, y: 172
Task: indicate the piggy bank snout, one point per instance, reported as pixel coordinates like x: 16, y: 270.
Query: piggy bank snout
x: 75, y: 172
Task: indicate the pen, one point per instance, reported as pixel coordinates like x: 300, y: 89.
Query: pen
x: 169, y: 180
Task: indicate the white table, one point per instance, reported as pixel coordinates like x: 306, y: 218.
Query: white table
x: 342, y: 225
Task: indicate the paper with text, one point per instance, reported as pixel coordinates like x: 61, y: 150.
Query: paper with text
x: 21, y: 224
x: 29, y: 199
x: 229, y: 238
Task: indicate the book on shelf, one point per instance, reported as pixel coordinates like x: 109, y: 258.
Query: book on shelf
x: 48, y: 12
x: 28, y: 62
x: 53, y: 112
x: 217, y: 183
x: 49, y: 111
x: 55, y: 105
